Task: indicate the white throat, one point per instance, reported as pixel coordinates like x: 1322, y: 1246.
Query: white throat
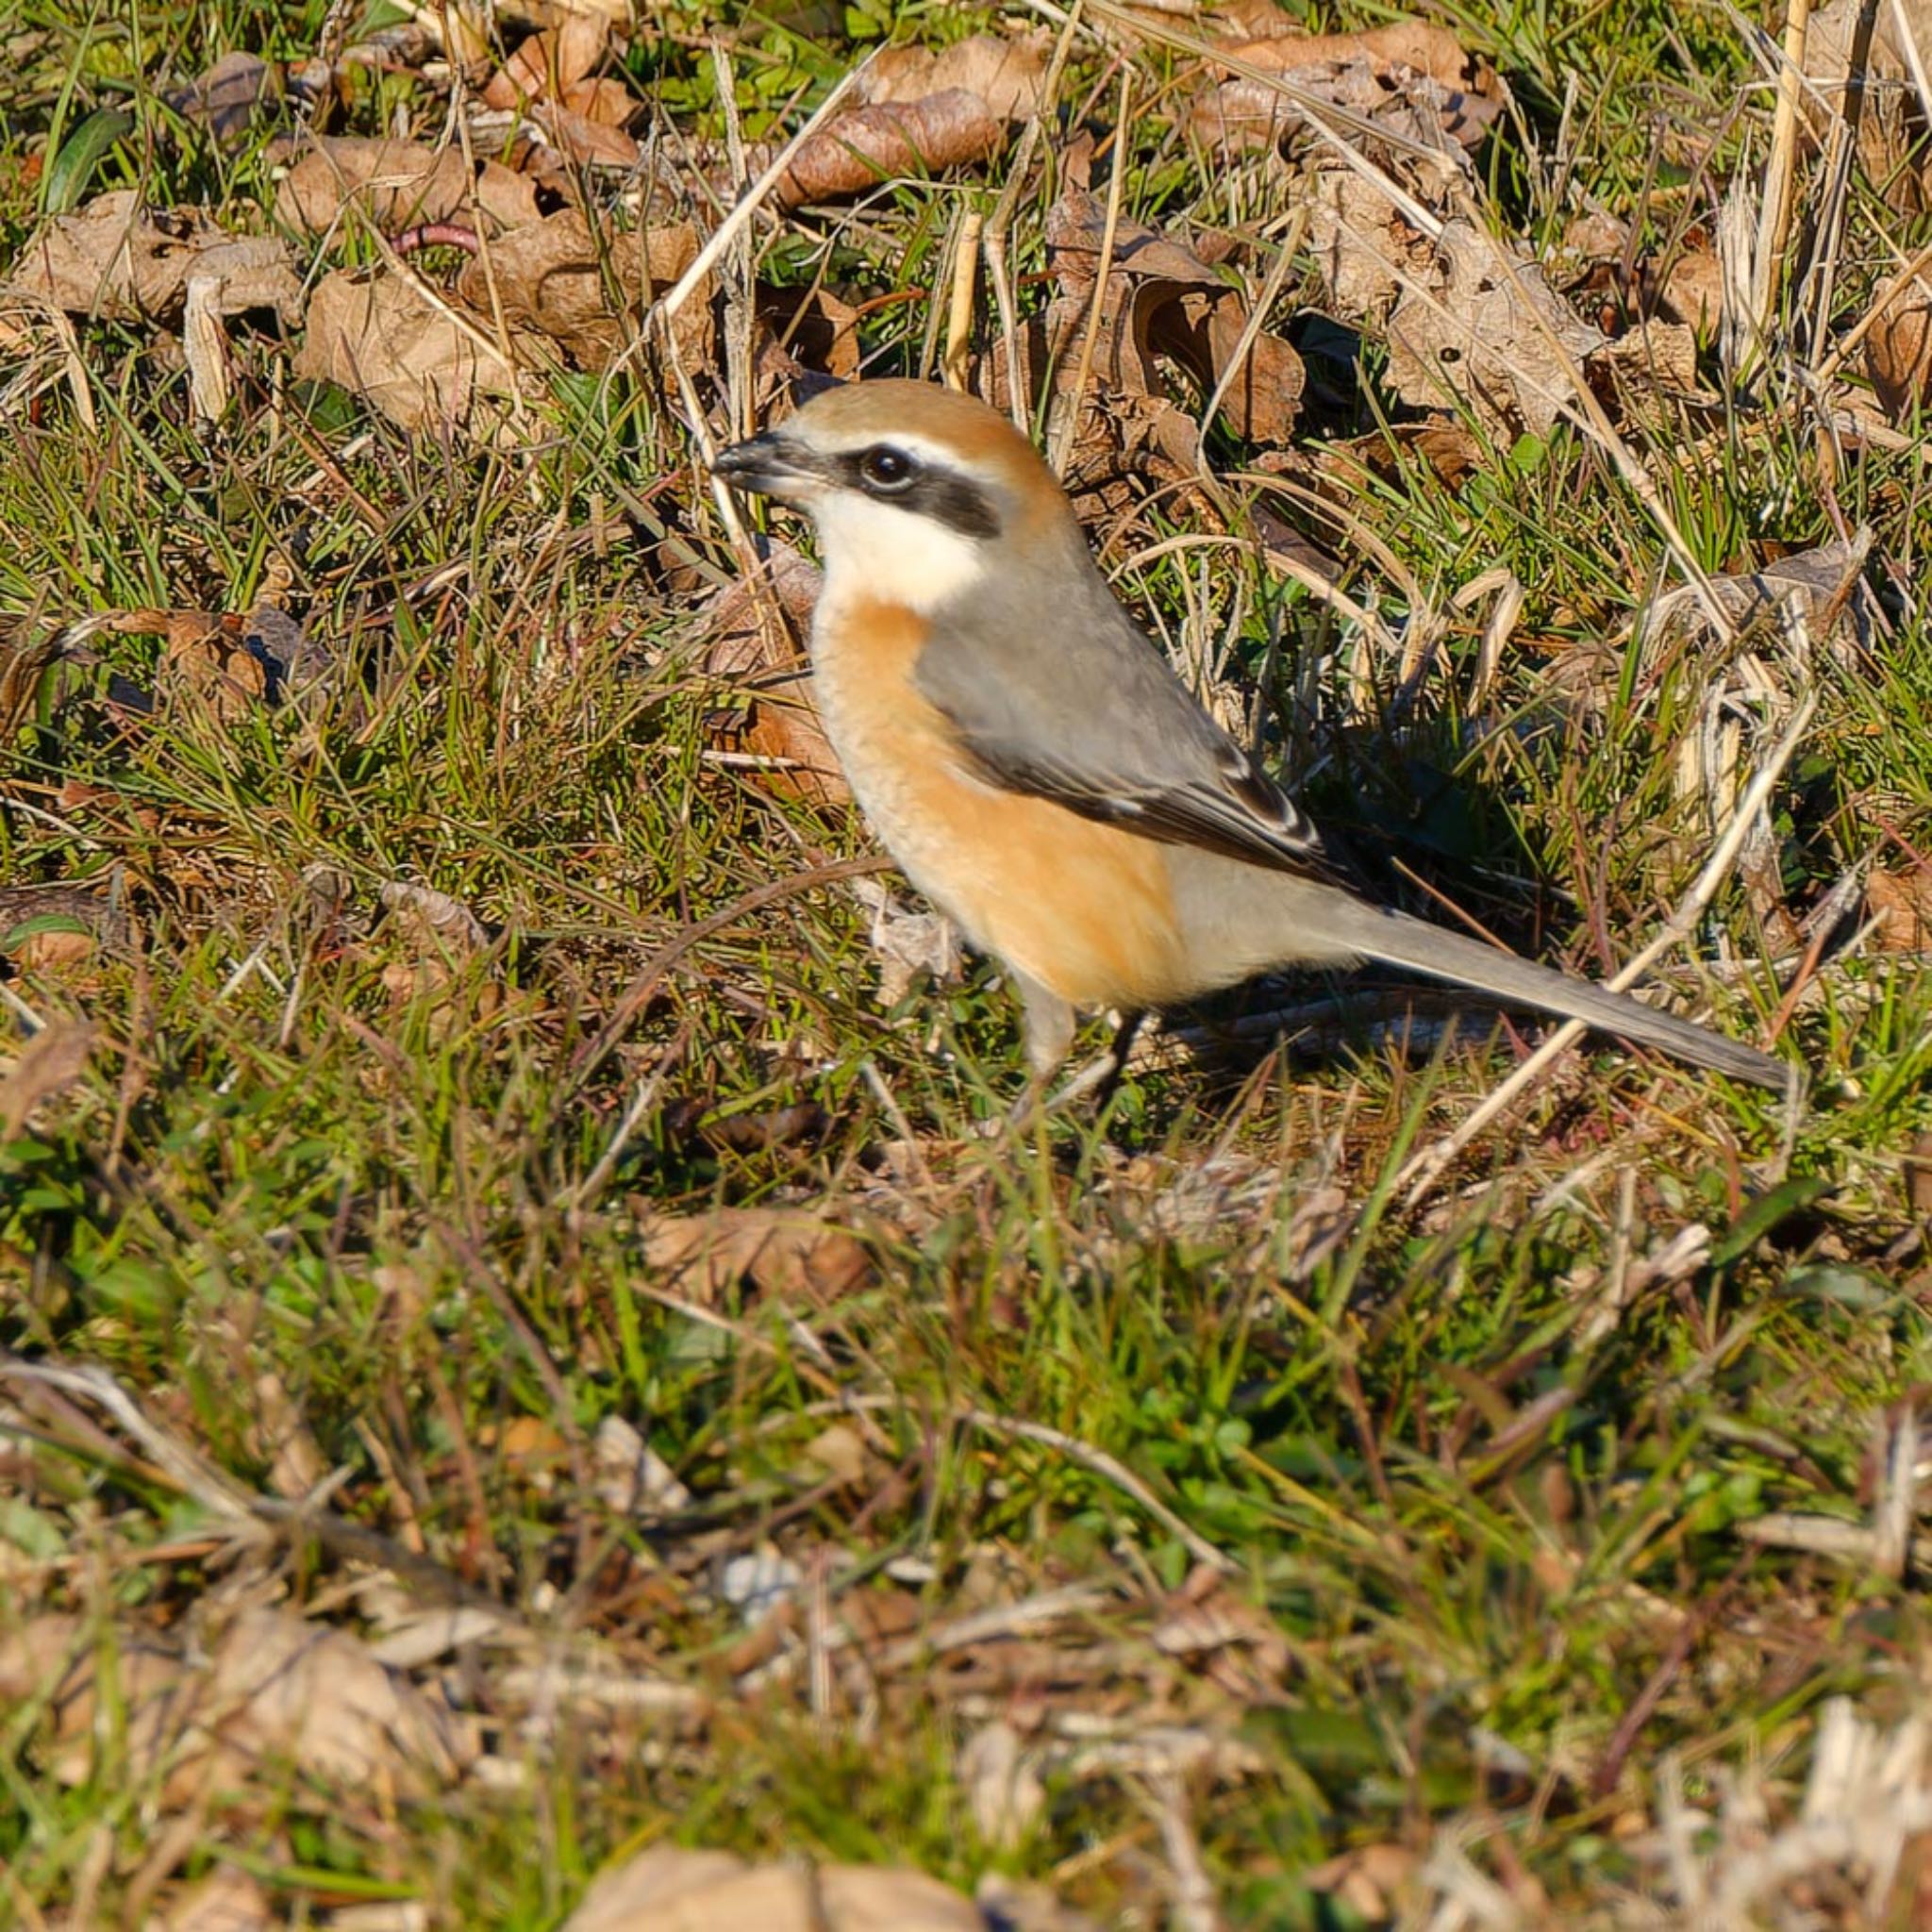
x: 878, y: 550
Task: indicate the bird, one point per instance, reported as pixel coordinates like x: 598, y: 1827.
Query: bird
x: 1035, y: 767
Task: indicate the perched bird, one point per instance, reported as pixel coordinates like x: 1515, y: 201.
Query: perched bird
x: 1030, y: 761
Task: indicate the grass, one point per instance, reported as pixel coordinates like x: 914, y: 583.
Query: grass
x: 1487, y: 1575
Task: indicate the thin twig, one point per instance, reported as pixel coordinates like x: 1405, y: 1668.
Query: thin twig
x: 1083, y: 371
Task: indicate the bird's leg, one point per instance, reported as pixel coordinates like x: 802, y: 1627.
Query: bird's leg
x: 1103, y: 1073
x: 1049, y: 1039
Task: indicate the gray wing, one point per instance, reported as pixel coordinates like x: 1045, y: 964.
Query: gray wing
x: 1088, y: 714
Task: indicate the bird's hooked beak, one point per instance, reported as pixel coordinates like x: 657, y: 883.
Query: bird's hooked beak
x: 773, y: 464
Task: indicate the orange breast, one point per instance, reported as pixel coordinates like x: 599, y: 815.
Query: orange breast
x: 1084, y: 908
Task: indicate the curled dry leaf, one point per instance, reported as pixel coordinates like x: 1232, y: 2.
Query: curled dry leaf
x: 1164, y: 300
x: 274, y: 1690
x: 397, y: 183
x: 1858, y: 61
x: 47, y: 1065
x: 795, y: 1256
x: 227, y: 1900
x: 1902, y: 904
x: 47, y: 928
x: 908, y: 945
x: 1485, y: 334
x: 586, y: 292
x: 859, y: 150
x: 233, y: 661
x: 229, y: 97
x: 381, y: 338
x: 550, y: 64
x: 1008, y: 73
x: 1412, y: 77
x: 670, y: 1889
x: 1822, y: 585
x: 1898, y: 347
x: 753, y: 627
x: 129, y: 263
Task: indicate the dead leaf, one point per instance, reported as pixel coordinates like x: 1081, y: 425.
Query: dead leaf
x: 1369, y: 1880
x: 1412, y: 77
x: 588, y: 294
x: 1692, y: 292
x: 1898, y: 348
x: 1162, y: 300
x: 48, y: 928
x: 632, y: 1479
x: 1654, y: 356
x: 1822, y: 584
x: 1479, y: 336
x: 792, y: 1254
x: 434, y: 921
x: 816, y: 328
x: 859, y: 150
x: 1901, y: 902
x: 1859, y: 64
x: 1918, y: 1176
x: 396, y: 183
x: 280, y: 1436
x: 549, y: 64
x: 47, y: 1065
x: 227, y: 1900
x: 228, y: 99
x: 378, y: 336
x: 118, y: 260
x: 908, y: 945
x: 1008, y: 74
x: 275, y: 1688
x: 667, y: 1888
x: 234, y: 661
x: 753, y: 627
x: 1003, y: 1787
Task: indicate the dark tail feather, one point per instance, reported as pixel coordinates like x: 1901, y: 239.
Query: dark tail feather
x: 1399, y: 940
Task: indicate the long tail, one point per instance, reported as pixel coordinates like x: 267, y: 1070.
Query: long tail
x: 1399, y: 940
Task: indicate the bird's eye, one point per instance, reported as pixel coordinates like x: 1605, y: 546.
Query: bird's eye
x: 883, y: 467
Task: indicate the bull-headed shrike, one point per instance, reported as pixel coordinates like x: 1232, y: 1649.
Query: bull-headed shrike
x: 1041, y: 775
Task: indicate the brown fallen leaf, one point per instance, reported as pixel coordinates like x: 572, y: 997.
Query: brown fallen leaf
x: 380, y: 338
x: 1480, y: 336
x: 753, y: 626
x: 228, y: 100
x: 858, y: 150
x: 667, y: 1888
x: 273, y: 1688
x: 1898, y: 347
x: 1412, y: 77
x: 49, y: 929
x: 434, y: 922
x: 588, y: 293
x: 550, y: 63
x: 1856, y: 61
x: 1162, y: 300
x: 1823, y: 584
x: 792, y: 1254
x: 396, y: 183
x: 46, y: 1066
x: 118, y: 260
x: 1901, y: 902
x: 227, y: 1900
x: 1370, y: 1880
x: 1918, y: 1176
x: 1008, y: 73
x: 234, y: 661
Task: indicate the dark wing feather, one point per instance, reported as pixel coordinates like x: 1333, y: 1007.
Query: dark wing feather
x: 1233, y: 809
x: 1079, y: 707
